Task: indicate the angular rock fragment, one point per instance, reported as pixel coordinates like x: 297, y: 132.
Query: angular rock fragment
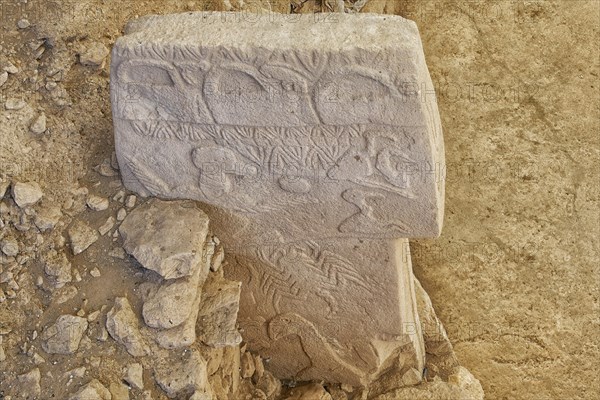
x: 311, y: 391
x: 29, y: 384
x: 122, y: 325
x: 166, y: 237
x: 47, y: 217
x: 26, y: 193
x: 135, y: 376
x: 217, y: 321
x: 94, y: 390
x: 38, y: 126
x: 81, y: 236
x: 58, y: 268
x: 179, y: 376
x: 64, y: 335
x: 94, y: 55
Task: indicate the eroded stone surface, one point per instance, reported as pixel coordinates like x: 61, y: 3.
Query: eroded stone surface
x: 257, y: 122
x: 312, y: 158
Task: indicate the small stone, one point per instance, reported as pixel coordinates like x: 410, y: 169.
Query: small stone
x: 130, y: 202
x: 122, y: 324
x: 94, y: 55
x: 247, y: 365
x: 93, y: 316
x: 3, y: 78
x: 11, y: 68
x: 119, y: 196
x: 23, y: 24
x: 107, y: 226
x: 4, y: 184
x: 14, y: 104
x: 176, y: 376
x: 259, y: 367
x: 97, y: 203
x: 75, y: 373
x: 10, y: 246
x: 94, y: 390
x: 311, y: 391
x: 29, y: 384
x: 26, y: 193
x: 58, y: 267
x: 135, y: 376
x: 412, y: 377
x: 121, y: 214
x: 105, y: 169
x: 39, y: 124
x: 95, y: 272
x: 47, y: 217
x: 64, y: 336
x: 119, y: 391
x: 269, y: 384
x: 81, y: 236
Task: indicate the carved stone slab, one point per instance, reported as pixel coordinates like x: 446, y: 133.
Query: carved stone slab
x: 311, y: 156
x: 253, y: 117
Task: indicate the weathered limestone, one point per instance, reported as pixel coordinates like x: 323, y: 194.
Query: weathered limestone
x: 312, y: 157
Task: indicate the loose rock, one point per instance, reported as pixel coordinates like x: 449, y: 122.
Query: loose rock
x: 26, y: 194
x: 10, y: 246
x: 94, y: 390
x: 97, y: 203
x: 23, y: 24
x: 14, y: 104
x: 29, y: 384
x: 107, y: 226
x: 166, y: 237
x: 122, y: 324
x: 58, y: 267
x: 47, y: 217
x: 135, y: 376
x: 311, y: 391
x: 3, y: 78
x: 39, y: 124
x: 81, y: 236
x: 94, y: 55
x: 65, y: 335
x: 175, y: 376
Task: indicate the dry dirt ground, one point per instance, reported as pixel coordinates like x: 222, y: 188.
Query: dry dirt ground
x: 515, y: 274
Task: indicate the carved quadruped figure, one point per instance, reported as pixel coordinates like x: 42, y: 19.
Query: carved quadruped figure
x: 319, y: 350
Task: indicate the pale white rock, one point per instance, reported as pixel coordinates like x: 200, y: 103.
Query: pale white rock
x: 247, y: 365
x: 58, y: 268
x: 10, y: 68
x: 130, y: 202
x: 64, y: 336
x: 187, y: 373
x: 23, y: 24
x: 47, y: 217
x: 135, y: 376
x: 26, y: 193
x: 9, y: 246
x: 4, y: 184
x: 311, y: 391
x: 97, y: 203
x: 38, y: 125
x: 93, y: 390
x: 217, y: 320
x: 123, y: 326
x: 166, y: 237
x: 119, y: 391
x: 94, y: 55
x: 14, y: 104
x: 3, y: 78
x: 171, y: 303
x: 29, y: 384
x: 81, y: 236
x: 121, y: 214
x: 412, y: 377
x: 107, y: 226
x: 95, y: 272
